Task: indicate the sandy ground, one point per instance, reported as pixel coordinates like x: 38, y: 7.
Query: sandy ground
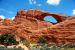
x: 20, y: 45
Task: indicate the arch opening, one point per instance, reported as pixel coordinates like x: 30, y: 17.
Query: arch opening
x: 50, y: 19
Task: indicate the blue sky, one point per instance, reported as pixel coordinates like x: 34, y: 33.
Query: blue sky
x: 8, y: 8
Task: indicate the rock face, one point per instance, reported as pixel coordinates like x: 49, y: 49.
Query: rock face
x: 30, y: 25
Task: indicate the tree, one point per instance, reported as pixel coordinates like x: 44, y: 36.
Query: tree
x: 8, y: 39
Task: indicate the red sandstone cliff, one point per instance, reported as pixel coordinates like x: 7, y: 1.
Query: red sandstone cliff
x: 30, y: 25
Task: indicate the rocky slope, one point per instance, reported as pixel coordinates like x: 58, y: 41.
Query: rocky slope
x: 29, y: 24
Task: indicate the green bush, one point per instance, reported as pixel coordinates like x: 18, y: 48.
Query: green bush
x: 8, y: 39
x: 25, y: 42
x: 42, y: 40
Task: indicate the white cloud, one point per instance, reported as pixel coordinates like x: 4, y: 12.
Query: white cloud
x: 32, y: 1
x: 1, y: 16
x: 12, y: 18
x: 73, y: 12
x: 53, y: 2
x: 39, y: 5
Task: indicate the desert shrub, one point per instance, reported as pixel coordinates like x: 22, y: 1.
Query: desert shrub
x: 8, y: 39
x: 42, y: 40
x: 25, y: 42
x: 69, y: 45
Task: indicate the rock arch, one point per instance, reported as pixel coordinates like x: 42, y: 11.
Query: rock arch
x: 58, y: 17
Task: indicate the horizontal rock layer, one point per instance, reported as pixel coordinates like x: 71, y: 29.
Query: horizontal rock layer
x: 29, y: 24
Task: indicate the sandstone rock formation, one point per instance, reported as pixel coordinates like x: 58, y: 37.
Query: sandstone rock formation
x: 29, y: 24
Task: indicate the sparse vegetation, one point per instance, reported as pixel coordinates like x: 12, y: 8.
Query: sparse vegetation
x: 25, y: 42
x: 42, y: 40
x: 9, y: 39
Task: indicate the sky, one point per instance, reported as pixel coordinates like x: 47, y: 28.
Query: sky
x: 8, y: 8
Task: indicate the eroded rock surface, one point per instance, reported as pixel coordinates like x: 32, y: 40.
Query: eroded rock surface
x: 29, y: 24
